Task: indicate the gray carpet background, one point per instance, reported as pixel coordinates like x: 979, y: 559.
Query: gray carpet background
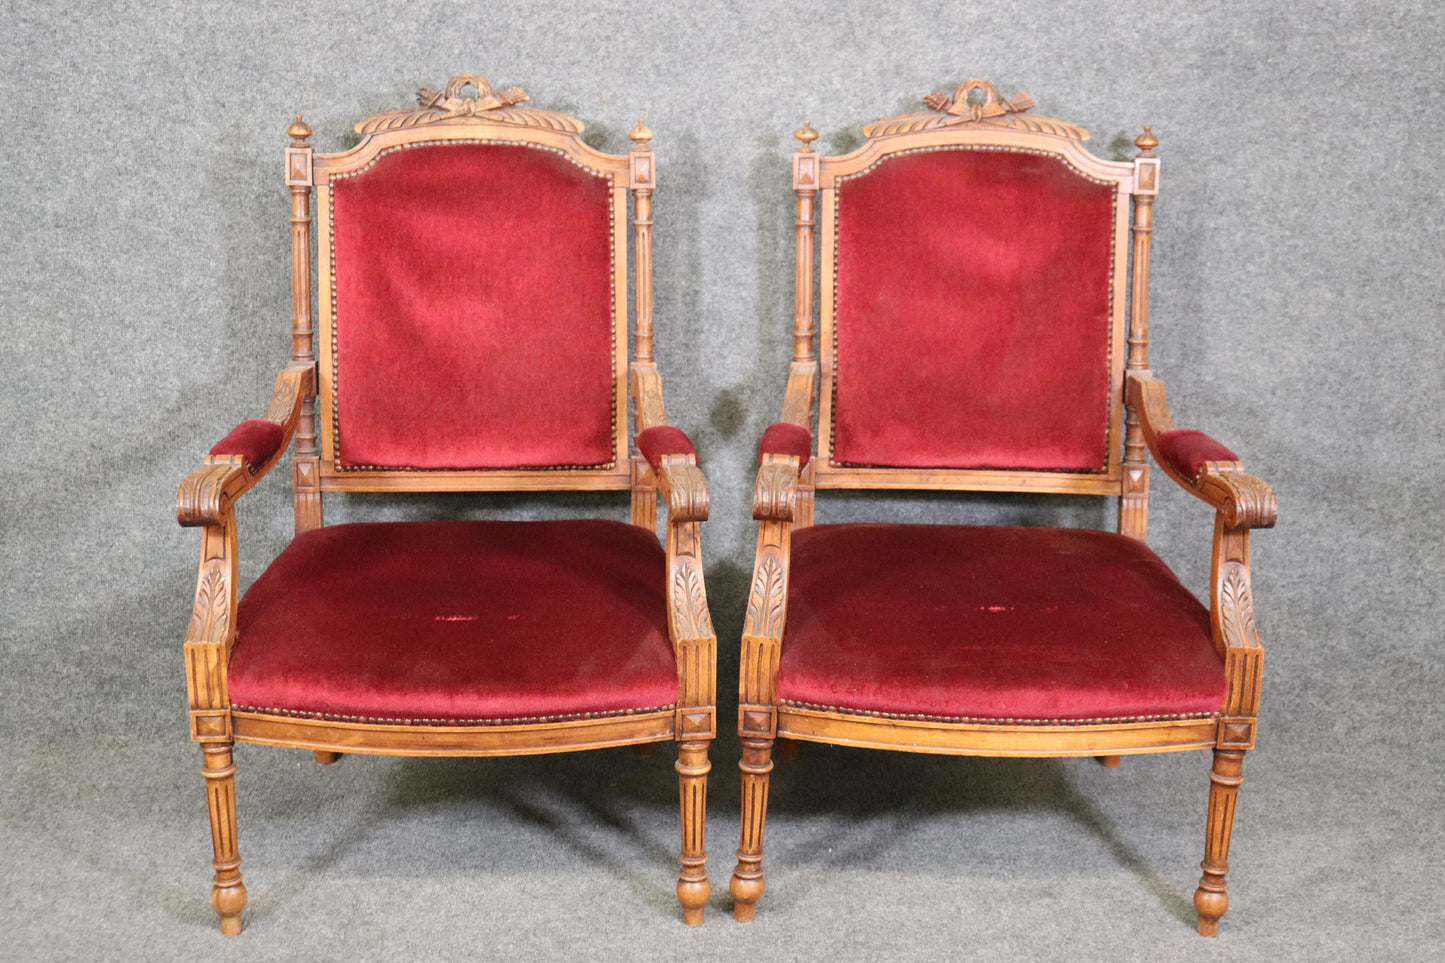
x: 1297, y: 295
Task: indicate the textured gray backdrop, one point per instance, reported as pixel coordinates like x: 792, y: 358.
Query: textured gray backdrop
x: 1296, y: 303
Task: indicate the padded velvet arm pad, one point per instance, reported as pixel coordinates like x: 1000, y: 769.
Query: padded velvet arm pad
x: 256, y: 440
x: 662, y: 440
x: 786, y: 438
x: 1186, y: 451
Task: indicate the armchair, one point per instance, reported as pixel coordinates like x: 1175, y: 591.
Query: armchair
x: 976, y: 337
x: 469, y: 340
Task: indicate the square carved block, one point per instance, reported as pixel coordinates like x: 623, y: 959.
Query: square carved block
x: 644, y: 173
x: 1146, y: 176
x: 298, y: 167
x: 757, y: 721
x: 696, y: 723
x: 805, y: 172
x: 1236, y: 732
x: 210, y: 725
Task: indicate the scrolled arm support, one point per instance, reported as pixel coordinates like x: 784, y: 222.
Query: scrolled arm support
x: 1243, y: 500
x: 684, y: 488
x: 206, y: 495
x: 775, y: 494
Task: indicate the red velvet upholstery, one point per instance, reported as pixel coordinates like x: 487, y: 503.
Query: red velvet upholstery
x: 662, y: 440
x: 450, y: 621
x: 786, y: 438
x: 966, y: 622
x: 972, y: 313
x: 255, y: 440
x: 474, y: 312
x: 1186, y: 451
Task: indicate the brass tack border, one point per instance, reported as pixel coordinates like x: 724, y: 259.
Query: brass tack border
x: 494, y: 721
x: 978, y: 720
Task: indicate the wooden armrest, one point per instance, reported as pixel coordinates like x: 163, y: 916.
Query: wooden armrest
x: 684, y: 488
x: 246, y: 454
x: 775, y: 494
x: 1243, y: 500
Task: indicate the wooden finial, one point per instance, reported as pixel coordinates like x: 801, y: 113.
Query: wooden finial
x: 1146, y: 142
x: 640, y: 135
x: 806, y: 134
x: 299, y: 131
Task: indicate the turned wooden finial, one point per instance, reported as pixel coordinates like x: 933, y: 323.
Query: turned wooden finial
x: 1146, y: 142
x: 806, y: 134
x: 640, y: 135
x: 299, y: 131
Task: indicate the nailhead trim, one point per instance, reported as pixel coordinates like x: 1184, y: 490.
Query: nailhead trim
x: 516, y: 721
x: 1113, y: 252
x: 611, y: 288
x: 973, y: 720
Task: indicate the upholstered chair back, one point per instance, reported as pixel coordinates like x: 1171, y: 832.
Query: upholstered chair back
x: 972, y: 312
x: 473, y: 310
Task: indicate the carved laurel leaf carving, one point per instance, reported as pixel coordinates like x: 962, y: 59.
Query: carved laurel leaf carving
x: 212, y: 609
x: 690, y: 617
x: 1236, y: 608
x: 765, y: 606
x: 992, y: 111
x: 434, y: 107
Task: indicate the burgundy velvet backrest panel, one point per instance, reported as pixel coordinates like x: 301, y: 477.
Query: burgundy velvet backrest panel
x: 973, y: 312
x: 473, y: 310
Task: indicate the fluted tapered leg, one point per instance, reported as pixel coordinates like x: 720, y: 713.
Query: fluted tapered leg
x: 326, y: 757
x: 692, y: 885
x: 1211, y: 899
x: 228, y: 893
x: 747, y: 882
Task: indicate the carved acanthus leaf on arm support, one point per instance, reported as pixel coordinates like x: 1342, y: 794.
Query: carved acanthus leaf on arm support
x: 207, y: 498
x: 1242, y: 502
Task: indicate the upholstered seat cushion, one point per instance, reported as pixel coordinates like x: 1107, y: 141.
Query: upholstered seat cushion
x: 454, y: 621
x: 991, y: 623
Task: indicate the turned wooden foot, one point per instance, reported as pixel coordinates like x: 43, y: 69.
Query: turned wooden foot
x: 1211, y: 899
x: 326, y: 757
x: 747, y: 882
x: 1110, y: 762
x: 228, y: 893
x: 692, y: 885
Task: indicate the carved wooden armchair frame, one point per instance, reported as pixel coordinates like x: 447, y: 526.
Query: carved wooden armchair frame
x: 665, y: 466
x: 975, y: 117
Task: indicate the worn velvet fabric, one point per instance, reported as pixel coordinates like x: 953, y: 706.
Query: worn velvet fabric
x: 1186, y: 450
x: 972, y: 313
x: 993, y: 623
x: 786, y: 438
x: 255, y: 440
x: 662, y: 440
x: 453, y: 621
x: 474, y: 311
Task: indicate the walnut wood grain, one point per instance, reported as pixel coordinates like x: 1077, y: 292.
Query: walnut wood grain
x: 974, y: 115
x: 467, y: 110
